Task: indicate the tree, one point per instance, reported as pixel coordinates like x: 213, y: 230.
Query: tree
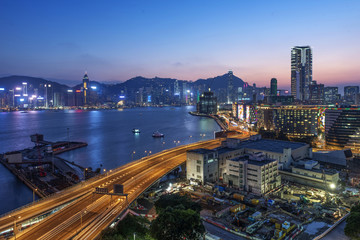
x: 352, y: 229
x: 126, y: 229
x: 178, y: 218
x: 174, y: 201
x: 177, y: 223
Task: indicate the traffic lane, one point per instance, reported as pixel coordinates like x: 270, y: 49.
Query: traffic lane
x: 223, y: 234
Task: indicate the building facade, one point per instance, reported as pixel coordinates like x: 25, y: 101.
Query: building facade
x: 253, y: 173
x: 273, y: 87
x: 207, y: 103
x: 301, y: 72
x: 202, y: 165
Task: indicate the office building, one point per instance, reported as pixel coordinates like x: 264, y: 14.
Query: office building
x: 273, y: 87
x: 301, y: 72
x: 207, y: 103
x: 316, y: 93
x: 350, y: 93
x: 230, y: 89
x: 331, y: 95
x: 342, y: 128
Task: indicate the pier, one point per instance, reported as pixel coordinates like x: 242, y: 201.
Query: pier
x: 41, y: 170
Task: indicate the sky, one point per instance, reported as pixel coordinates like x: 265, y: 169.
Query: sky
x: 116, y: 40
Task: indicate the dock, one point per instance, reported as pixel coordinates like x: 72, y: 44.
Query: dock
x: 41, y: 169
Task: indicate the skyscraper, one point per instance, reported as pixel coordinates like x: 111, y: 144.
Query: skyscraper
x: 230, y: 90
x: 85, y: 86
x: 301, y: 72
x: 273, y: 87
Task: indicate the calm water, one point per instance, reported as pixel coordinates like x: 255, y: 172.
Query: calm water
x: 108, y: 133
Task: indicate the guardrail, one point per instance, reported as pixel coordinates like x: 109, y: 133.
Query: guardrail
x: 332, y: 227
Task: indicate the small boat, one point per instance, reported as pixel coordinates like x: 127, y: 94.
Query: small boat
x: 157, y: 134
x: 136, y: 130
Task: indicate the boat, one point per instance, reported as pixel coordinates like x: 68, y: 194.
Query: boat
x: 136, y: 130
x: 157, y: 134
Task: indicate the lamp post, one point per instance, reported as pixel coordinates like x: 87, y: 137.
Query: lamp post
x: 34, y: 194
x: 15, y: 228
x: 85, y: 170
x: 81, y: 214
x: 132, y: 156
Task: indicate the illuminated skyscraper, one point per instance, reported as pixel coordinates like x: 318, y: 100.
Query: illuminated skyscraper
x: 301, y: 72
x: 230, y: 90
x: 273, y: 87
x: 85, y: 87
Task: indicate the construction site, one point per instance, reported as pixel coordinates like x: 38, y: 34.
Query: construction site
x: 290, y: 212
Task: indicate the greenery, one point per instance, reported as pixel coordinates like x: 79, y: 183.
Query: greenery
x: 352, y: 229
x: 178, y: 218
x: 126, y: 229
x: 176, y: 201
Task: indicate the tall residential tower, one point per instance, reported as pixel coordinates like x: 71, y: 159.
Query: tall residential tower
x: 301, y: 72
x: 85, y: 87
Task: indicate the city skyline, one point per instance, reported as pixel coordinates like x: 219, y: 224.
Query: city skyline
x: 118, y: 41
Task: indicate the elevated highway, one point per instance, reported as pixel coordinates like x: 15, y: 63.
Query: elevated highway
x: 87, y: 214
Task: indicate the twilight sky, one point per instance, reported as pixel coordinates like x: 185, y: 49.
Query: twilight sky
x: 117, y: 40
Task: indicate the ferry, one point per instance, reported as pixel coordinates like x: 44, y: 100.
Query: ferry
x: 157, y: 134
x: 136, y: 130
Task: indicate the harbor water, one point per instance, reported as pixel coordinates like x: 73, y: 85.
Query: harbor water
x: 109, y: 135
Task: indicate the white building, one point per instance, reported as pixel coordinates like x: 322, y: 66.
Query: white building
x: 202, y: 165
x: 253, y: 173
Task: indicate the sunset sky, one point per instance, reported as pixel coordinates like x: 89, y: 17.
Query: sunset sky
x: 117, y: 40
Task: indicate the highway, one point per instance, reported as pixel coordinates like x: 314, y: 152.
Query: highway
x: 88, y: 213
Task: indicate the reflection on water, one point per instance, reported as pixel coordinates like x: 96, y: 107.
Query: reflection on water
x: 108, y: 133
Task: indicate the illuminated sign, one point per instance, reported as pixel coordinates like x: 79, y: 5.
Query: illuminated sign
x: 2, y: 89
x: 18, y: 88
x: 40, y: 98
x: 241, y: 112
x: 93, y: 87
x: 17, y: 95
x: 69, y: 90
x: 24, y: 83
x: 21, y: 99
x: 122, y: 97
x: 248, y: 114
x: 149, y: 99
x: 78, y: 91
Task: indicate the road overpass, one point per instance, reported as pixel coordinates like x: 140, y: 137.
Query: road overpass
x: 87, y: 214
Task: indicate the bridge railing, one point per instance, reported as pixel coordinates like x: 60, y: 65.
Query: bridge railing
x: 95, y: 178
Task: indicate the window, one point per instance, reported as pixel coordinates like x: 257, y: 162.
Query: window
x: 198, y: 161
x: 198, y: 169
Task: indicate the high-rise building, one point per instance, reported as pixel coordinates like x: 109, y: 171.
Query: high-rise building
x: 301, y: 72
x: 85, y: 87
x: 207, y: 103
x: 316, y: 93
x: 342, y: 128
x: 230, y: 90
x: 331, y: 94
x: 273, y: 87
x: 350, y: 93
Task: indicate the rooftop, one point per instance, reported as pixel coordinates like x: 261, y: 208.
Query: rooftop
x: 253, y: 162
x: 271, y: 145
x: 222, y: 150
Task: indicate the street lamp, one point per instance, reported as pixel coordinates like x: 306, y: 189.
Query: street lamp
x: 81, y: 214
x: 332, y: 186
x: 85, y: 169
x: 202, y: 136
x: 132, y: 156
x: 15, y: 229
x: 34, y: 194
